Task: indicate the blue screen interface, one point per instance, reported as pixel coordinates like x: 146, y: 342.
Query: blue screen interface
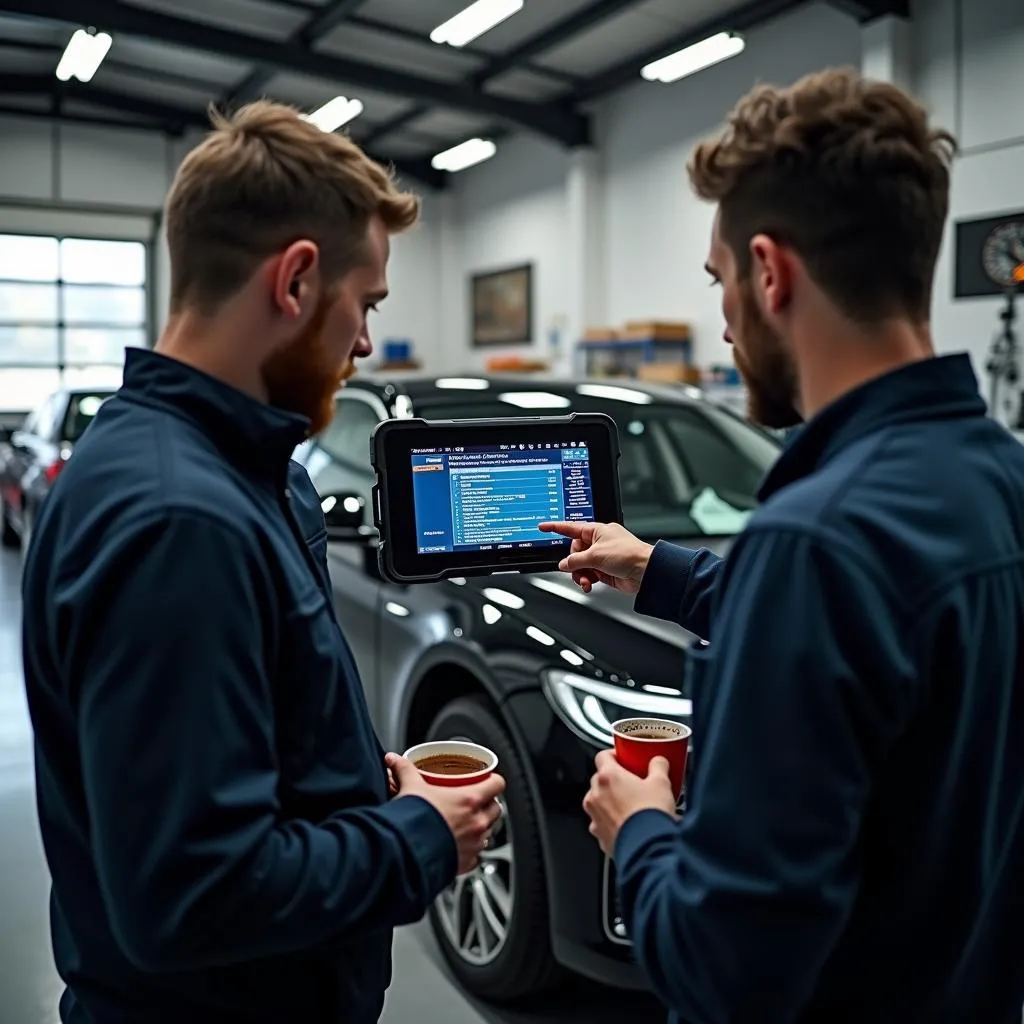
x: 492, y: 498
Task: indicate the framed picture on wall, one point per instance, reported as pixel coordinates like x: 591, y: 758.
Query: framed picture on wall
x: 503, y: 306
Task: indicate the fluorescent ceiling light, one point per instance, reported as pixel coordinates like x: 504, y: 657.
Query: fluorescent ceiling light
x: 83, y: 55
x: 334, y: 113
x: 694, y: 58
x: 474, y: 21
x: 458, y: 158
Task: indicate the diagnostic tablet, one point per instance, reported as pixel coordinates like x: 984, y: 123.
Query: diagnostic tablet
x: 465, y: 497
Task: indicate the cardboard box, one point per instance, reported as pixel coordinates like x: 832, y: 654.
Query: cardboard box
x: 668, y: 373
x: 656, y: 330
x: 600, y: 334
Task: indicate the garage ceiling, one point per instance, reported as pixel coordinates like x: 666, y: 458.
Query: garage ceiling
x: 534, y: 72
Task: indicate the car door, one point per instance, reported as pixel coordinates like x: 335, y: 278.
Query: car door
x: 338, y: 462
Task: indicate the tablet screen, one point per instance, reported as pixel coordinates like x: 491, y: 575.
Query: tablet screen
x: 458, y: 498
x: 491, y: 497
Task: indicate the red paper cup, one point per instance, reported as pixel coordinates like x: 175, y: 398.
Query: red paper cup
x: 456, y: 748
x: 639, y: 740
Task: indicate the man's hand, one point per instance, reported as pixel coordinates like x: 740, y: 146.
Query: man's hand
x: 603, y: 553
x: 617, y: 794
x: 470, y: 811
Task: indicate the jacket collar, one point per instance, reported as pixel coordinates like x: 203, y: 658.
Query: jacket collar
x: 942, y: 387
x: 249, y: 432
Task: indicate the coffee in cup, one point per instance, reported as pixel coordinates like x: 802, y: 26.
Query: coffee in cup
x: 638, y: 741
x: 453, y: 762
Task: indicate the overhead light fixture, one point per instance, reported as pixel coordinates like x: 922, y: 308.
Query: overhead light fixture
x: 83, y: 55
x: 694, y: 58
x: 474, y: 21
x: 466, y: 154
x: 334, y: 113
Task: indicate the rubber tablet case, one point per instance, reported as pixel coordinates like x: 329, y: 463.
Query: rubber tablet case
x: 381, y: 494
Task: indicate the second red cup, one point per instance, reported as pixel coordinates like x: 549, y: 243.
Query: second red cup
x: 638, y: 741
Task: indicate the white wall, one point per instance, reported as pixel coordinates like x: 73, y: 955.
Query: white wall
x: 508, y: 212
x: 643, y: 253
x: 657, y: 230
x: 971, y: 89
x: 111, y: 183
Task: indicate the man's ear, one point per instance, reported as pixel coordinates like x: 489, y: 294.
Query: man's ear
x: 295, y: 279
x: 771, y: 273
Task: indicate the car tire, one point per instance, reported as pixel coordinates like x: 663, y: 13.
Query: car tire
x: 8, y: 538
x: 524, y: 965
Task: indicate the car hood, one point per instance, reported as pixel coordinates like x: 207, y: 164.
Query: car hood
x: 598, y: 633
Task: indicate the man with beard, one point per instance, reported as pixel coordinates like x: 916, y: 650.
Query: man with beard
x: 214, y: 802
x: 854, y: 826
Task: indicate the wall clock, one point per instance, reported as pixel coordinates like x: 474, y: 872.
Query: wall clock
x: 989, y: 255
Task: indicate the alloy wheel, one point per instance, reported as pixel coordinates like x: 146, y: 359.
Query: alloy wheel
x: 476, y: 911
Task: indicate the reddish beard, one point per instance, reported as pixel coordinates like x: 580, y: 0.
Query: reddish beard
x: 765, y: 366
x: 303, y: 378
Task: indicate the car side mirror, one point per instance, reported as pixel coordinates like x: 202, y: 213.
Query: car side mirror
x: 345, y: 517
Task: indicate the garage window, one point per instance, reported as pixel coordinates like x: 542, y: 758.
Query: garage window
x: 68, y: 309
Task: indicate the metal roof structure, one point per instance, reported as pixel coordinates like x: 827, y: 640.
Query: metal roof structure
x: 535, y: 72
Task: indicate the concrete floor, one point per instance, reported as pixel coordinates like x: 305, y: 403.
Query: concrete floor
x: 29, y: 987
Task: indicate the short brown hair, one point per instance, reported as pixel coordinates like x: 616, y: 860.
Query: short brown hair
x: 845, y: 171
x: 261, y: 180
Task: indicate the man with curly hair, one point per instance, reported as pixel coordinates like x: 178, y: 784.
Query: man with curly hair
x: 852, y: 844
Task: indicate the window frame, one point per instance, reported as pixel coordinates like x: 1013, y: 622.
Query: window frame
x: 62, y: 326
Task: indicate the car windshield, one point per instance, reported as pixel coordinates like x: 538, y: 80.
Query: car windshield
x: 688, y: 469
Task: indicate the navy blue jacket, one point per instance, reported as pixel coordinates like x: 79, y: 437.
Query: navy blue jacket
x: 212, y: 796
x: 853, y: 845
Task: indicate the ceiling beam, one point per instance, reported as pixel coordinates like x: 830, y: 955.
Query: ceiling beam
x: 410, y: 36
x: 316, y: 25
x: 568, y: 127
x: 567, y: 28
x: 122, y: 67
x: 628, y: 71
x: 394, y: 124
x: 869, y: 10
x: 95, y: 120
x: 562, y: 31
x: 172, y: 118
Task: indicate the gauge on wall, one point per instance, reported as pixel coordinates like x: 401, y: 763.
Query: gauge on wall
x: 1003, y: 254
x: 989, y: 255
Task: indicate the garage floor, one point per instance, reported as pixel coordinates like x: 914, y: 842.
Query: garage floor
x: 29, y: 987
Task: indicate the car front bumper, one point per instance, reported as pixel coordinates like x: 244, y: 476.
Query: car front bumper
x: 587, y: 933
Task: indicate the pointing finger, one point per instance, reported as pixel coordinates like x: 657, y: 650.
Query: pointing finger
x: 571, y: 530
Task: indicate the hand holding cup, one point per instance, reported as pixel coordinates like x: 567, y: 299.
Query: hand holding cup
x: 462, y: 787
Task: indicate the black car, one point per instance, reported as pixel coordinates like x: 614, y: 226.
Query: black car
x: 35, y: 454
x: 528, y: 665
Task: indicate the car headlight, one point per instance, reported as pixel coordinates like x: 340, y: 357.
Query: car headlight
x: 589, y: 706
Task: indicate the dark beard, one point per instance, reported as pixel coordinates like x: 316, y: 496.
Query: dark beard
x: 766, y: 368
x: 302, y: 378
